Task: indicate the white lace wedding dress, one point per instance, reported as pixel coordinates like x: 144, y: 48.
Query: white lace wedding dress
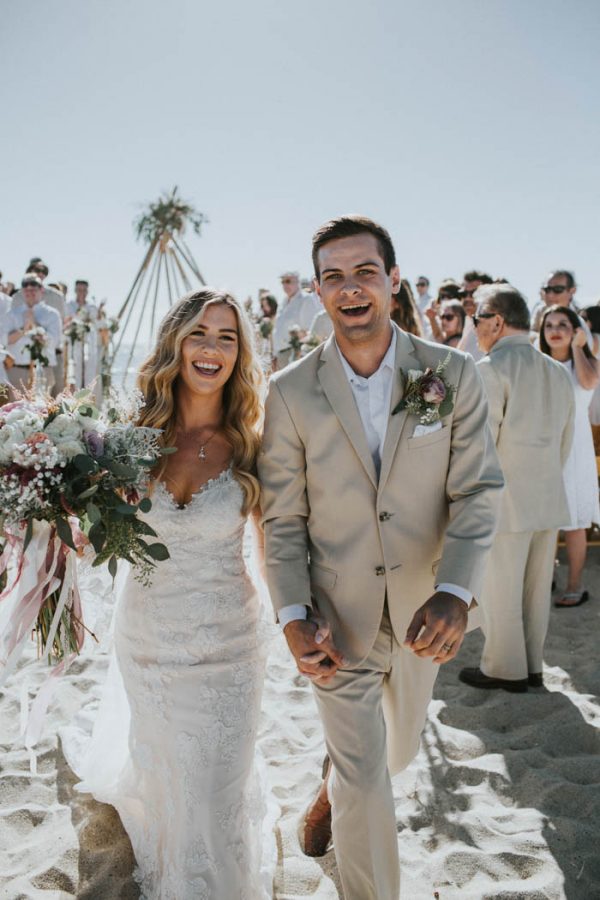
x: 190, y: 650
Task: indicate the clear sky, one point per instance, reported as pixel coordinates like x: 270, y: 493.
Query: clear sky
x: 470, y: 128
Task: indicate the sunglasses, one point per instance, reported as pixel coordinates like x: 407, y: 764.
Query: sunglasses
x: 478, y: 316
x: 447, y: 317
x: 287, y: 280
x: 465, y: 293
x: 421, y: 284
x: 554, y: 288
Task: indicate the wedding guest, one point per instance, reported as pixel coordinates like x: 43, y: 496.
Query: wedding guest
x: 268, y: 306
x: 447, y: 326
x: 471, y: 281
x: 563, y: 338
x: 50, y: 296
x: 6, y: 359
x: 559, y: 290
x: 531, y: 415
x: 405, y: 312
x: 591, y: 317
x: 55, y: 299
x: 83, y: 351
x: 19, y: 322
x: 298, y: 309
x: 423, y: 300
x: 321, y: 327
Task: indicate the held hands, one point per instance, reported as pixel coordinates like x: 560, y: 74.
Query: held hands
x: 579, y: 338
x: 438, y: 627
x: 313, y: 649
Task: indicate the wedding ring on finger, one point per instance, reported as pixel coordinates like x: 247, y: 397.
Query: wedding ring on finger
x: 447, y: 648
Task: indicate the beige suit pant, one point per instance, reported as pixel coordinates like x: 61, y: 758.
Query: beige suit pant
x: 515, y: 601
x: 19, y: 377
x: 373, y: 718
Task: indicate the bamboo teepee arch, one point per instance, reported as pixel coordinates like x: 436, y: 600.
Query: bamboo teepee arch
x: 168, y: 269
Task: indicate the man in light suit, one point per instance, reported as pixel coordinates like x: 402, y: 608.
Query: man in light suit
x: 532, y: 409
x: 377, y: 528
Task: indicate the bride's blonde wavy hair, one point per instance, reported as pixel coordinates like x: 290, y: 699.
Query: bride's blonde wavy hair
x: 242, y: 394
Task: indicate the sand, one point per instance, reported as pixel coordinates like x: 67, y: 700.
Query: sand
x: 503, y: 800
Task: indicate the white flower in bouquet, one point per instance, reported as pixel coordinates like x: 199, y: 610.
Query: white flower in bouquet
x: 37, y: 451
x: 67, y: 434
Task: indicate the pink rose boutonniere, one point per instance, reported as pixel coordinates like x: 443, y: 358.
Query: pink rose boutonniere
x: 428, y: 394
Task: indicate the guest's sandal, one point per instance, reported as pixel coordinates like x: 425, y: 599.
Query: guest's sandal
x: 579, y: 596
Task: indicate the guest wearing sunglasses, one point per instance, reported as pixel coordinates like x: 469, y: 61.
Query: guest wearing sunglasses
x: 423, y: 301
x: 562, y: 338
x: 447, y: 325
x: 531, y: 415
x: 559, y: 289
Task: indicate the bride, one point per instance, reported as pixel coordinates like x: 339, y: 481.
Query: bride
x: 189, y: 647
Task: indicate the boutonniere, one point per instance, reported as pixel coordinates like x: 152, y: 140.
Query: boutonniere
x: 428, y: 394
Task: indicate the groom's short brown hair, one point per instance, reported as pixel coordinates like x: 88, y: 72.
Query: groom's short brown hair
x: 347, y: 226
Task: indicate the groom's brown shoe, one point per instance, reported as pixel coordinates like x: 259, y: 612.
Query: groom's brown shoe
x: 317, y: 822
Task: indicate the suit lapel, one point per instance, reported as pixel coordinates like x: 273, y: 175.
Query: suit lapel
x: 405, y: 359
x: 334, y: 382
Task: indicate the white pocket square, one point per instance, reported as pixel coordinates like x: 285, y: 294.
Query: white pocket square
x: 420, y: 430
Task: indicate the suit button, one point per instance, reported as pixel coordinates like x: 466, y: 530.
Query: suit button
x: 380, y: 570
x: 384, y: 516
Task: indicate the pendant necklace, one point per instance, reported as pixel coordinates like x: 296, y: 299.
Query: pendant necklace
x: 203, y: 446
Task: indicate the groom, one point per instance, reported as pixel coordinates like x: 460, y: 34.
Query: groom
x: 377, y: 528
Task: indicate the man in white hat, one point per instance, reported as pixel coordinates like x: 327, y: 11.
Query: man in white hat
x: 296, y: 311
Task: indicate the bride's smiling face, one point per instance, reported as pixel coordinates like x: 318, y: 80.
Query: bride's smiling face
x: 210, y: 351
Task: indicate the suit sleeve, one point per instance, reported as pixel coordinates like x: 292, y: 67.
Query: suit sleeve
x: 494, y: 392
x: 473, y: 487
x: 284, y: 504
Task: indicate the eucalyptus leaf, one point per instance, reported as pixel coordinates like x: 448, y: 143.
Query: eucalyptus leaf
x: 97, y: 536
x: 63, y: 529
x: 84, y: 463
x: 125, y: 509
x: 89, y: 492
x: 145, y: 505
x: 112, y: 566
x: 28, y: 534
x: 158, y: 552
x: 93, y: 513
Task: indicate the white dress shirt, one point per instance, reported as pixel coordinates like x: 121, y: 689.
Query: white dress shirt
x: 299, y: 310
x: 373, y: 396
x: 50, y: 297
x: 43, y: 315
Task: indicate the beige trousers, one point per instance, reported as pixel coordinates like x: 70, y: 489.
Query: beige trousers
x: 19, y: 377
x: 373, y: 718
x: 515, y: 600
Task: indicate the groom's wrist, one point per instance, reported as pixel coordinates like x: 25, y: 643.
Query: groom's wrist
x: 292, y: 613
x: 458, y: 591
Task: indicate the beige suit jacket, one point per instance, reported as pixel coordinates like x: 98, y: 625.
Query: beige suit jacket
x: 339, y: 538
x: 532, y: 409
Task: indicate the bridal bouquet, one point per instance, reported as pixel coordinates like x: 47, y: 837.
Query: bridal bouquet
x: 69, y: 477
x: 37, y: 340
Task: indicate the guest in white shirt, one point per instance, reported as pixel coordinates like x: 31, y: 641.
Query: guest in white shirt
x: 19, y: 323
x: 84, y: 353
x: 423, y: 300
x: 4, y: 355
x: 297, y: 310
x: 51, y: 297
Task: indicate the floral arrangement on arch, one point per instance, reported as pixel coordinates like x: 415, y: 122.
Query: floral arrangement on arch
x: 70, y: 477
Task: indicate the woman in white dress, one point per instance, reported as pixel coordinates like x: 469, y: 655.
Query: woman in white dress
x: 190, y: 647
x: 563, y: 338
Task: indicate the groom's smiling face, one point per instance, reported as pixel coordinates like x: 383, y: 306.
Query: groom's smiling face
x: 354, y: 287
